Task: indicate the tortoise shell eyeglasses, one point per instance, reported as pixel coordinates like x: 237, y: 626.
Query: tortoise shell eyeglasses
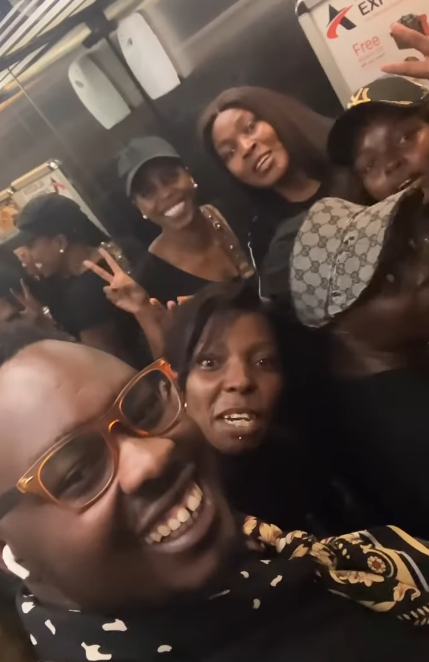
x: 79, y: 468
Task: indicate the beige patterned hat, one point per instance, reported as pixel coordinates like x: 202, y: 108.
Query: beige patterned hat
x: 336, y: 253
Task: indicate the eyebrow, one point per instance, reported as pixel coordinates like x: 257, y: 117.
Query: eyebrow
x: 76, y: 427
x: 238, y: 125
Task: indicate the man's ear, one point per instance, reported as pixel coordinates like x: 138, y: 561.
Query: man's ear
x: 62, y: 242
x: 10, y: 565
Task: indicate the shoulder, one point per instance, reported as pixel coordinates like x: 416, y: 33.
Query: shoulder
x: 86, y: 285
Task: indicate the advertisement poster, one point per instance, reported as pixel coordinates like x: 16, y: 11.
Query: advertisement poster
x: 48, y: 179
x: 8, y: 211
x: 357, y: 34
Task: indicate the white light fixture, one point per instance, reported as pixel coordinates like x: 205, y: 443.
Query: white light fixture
x: 146, y: 56
x: 97, y: 93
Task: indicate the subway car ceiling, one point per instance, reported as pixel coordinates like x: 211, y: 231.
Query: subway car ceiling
x: 214, y: 45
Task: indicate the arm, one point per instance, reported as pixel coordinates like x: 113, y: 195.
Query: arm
x: 129, y: 296
x: 104, y: 337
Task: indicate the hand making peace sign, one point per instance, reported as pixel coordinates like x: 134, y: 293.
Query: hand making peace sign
x: 122, y: 290
x: 412, y: 39
x: 125, y: 293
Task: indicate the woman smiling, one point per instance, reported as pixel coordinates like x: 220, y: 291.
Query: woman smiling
x: 196, y: 244
x: 233, y: 364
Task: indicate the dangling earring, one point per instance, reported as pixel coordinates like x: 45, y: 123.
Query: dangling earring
x: 12, y: 565
x: 144, y: 216
x: 62, y: 251
x: 195, y: 185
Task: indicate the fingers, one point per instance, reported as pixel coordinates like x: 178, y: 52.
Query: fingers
x: 410, y: 69
x: 19, y: 297
x: 171, y: 305
x: 411, y: 38
x: 156, y: 304
x: 25, y: 289
x: 181, y: 300
x: 105, y: 275
x: 116, y: 269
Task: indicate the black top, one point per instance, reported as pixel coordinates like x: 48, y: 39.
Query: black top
x: 78, y: 303
x: 255, y: 483
x: 275, y: 271
x: 276, y: 264
x: 165, y: 282
x: 267, y: 607
x: 278, y: 212
x: 382, y: 449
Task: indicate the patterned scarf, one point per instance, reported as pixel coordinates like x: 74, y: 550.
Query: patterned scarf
x: 385, y: 570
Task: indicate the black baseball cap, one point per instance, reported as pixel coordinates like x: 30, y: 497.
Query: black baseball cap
x: 387, y: 91
x: 139, y: 152
x: 46, y: 215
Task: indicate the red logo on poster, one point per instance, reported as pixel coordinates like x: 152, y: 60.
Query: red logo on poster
x: 337, y: 18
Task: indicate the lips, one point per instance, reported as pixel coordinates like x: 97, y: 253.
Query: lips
x: 176, y: 210
x: 179, y: 518
x: 411, y: 181
x: 263, y: 163
x: 182, y: 517
x: 240, y: 419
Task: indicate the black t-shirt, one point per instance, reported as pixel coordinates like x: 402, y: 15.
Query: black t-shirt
x: 280, y: 483
x: 165, y: 282
x: 382, y: 449
x: 275, y: 270
x: 78, y: 303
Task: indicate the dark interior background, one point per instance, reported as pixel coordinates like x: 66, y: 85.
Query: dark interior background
x: 220, y: 43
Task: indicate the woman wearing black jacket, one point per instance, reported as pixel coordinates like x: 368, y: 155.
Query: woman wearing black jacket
x: 276, y: 147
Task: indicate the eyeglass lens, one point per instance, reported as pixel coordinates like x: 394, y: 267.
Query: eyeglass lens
x: 82, y: 468
x: 152, y: 404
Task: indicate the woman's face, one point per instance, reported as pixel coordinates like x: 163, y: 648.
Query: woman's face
x: 235, y: 382
x: 250, y: 148
x: 165, y: 193
x: 44, y: 256
x: 390, y: 152
x: 393, y: 315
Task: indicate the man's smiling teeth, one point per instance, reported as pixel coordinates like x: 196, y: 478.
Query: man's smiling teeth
x: 179, y: 518
x: 175, y: 211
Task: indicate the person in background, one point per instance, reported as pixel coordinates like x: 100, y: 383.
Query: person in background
x: 19, y: 294
x: 127, y: 548
x: 232, y: 354
x: 383, y: 140
x: 359, y: 276
x: 196, y: 245
x: 52, y: 239
x: 276, y: 147
x: 384, y: 136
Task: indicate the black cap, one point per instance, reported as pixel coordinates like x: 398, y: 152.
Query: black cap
x: 139, y: 152
x: 386, y: 91
x: 46, y: 215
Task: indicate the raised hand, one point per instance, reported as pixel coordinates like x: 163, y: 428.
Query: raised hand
x: 414, y: 40
x: 121, y: 290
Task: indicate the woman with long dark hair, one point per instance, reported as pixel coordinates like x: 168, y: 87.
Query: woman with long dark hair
x: 276, y: 147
